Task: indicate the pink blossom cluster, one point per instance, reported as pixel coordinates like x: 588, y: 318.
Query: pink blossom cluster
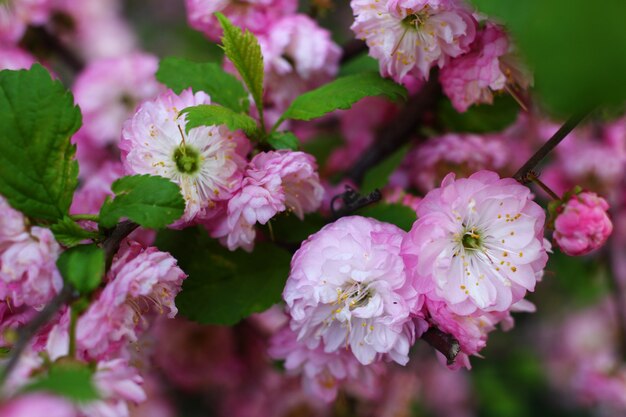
x: 223, y: 191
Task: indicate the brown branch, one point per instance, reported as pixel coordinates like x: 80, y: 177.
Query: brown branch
x: 443, y: 342
x: 114, y: 239
x: 400, y: 130
x: 523, y: 174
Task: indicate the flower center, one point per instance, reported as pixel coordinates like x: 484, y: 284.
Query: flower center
x: 357, y: 295
x: 471, y: 240
x: 187, y: 159
x: 416, y: 20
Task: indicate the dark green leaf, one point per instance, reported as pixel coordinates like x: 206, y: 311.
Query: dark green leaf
x: 479, y: 119
x: 225, y: 89
x: 38, y: 174
x: 283, y: 140
x: 69, y: 233
x: 574, y: 49
x: 71, y: 380
x: 244, y: 52
x: 224, y: 287
x: 342, y: 94
x: 361, y: 63
x: 398, y: 214
x: 150, y: 201
x: 290, y: 229
x: 211, y: 115
x: 378, y: 176
x: 83, y: 267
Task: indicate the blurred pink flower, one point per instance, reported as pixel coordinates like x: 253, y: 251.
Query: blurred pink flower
x: 254, y: 15
x: 348, y: 289
x: 582, y: 224
x: 38, y: 404
x: 409, y: 37
x: 13, y: 58
x: 16, y: 15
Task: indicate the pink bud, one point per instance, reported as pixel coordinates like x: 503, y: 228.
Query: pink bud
x: 583, y: 224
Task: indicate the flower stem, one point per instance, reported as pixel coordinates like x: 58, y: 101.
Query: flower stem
x: 90, y: 217
x: 522, y: 175
x: 543, y: 186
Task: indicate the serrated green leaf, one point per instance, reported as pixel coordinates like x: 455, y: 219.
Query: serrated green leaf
x: 71, y: 380
x: 83, y: 267
x: 342, y: 94
x: 211, y: 115
x: 224, y: 287
x: 482, y: 118
x: 38, y: 174
x: 398, y: 214
x: 69, y: 233
x: 224, y: 88
x: 565, y: 58
x: 148, y: 200
x: 244, y: 51
x: 283, y: 140
x: 378, y: 176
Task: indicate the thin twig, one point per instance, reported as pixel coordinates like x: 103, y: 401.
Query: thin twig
x: 534, y: 178
x: 400, y: 130
x: 522, y: 175
x: 112, y: 242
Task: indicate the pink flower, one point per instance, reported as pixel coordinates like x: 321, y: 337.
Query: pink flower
x: 141, y: 283
x: 348, y: 288
x: 91, y: 195
x: 299, y: 56
x: 275, y: 181
x: 28, y: 272
x: 207, y: 163
x: 583, y: 224
x: 396, y: 195
x: 119, y: 385
x: 477, y: 243
x: 108, y: 91
x: 323, y: 373
x: 471, y: 78
x: 13, y: 58
x: 12, y: 226
x: 15, y: 15
x: 254, y: 15
x: 461, y: 153
x: 37, y: 404
x: 409, y: 37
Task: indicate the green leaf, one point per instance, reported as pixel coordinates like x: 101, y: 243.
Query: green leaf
x: 378, y: 176
x: 342, y: 94
x: 483, y: 118
x: 398, y: 214
x: 283, y: 140
x: 224, y: 287
x: 150, y: 201
x: 244, y: 52
x: 211, y: 115
x: 71, y: 380
x: 69, y: 233
x: 290, y: 229
x: 224, y: 88
x: 83, y: 267
x: 360, y: 63
x: 38, y: 174
x: 574, y: 50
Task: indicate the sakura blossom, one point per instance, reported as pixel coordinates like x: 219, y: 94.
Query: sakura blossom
x: 473, y: 77
x: 254, y: 15
x: 38, y: 404
x: 207, y: 162
x: 410, y: 37
x: 274, y: 182
x: 582, y: 224
x: 299, y: 56
x: 109, y: 90
x: 348, y: 289
x: 477, y: 243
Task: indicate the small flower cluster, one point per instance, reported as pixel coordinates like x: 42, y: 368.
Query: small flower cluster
x: 364, y: 290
